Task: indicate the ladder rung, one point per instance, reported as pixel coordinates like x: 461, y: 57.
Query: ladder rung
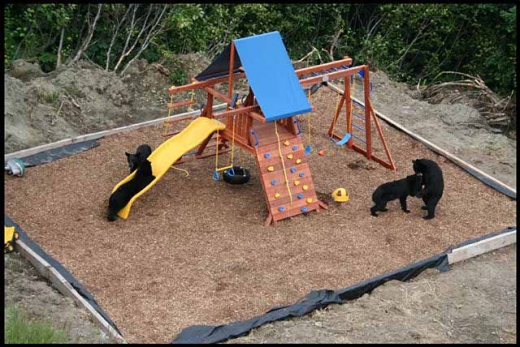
x: 358, y: 127
x: 359, y: 116
x: 359, y: 138
x: 181, y: 103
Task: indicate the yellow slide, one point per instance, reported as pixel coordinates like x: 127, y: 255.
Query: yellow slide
x: 172, y: 150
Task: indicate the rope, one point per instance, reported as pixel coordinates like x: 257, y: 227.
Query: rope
x: 283, y: 164
x: 185, y: 171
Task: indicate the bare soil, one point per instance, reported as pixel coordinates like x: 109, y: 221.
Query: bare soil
x: 202, y: 271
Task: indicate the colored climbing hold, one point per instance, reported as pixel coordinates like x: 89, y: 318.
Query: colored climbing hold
x: 302, y: 174
x: 277, y: 195
x: 305, y: 187
x: 281, y: 208
x: 267, y: 155
x: 322, y: 152
x: 273, y: 182
x: 286, y: 142
x: 270, y: 169
x: 304, y: 209
x: 294, y: 147
x: 296, y: 182
x: 298, y: 161
x: 309, y: 200
x: 293, y: 170
x: 300, y: 196
x: 290, y: 156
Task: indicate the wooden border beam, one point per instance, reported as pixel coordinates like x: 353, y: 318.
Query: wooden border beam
x: 482, y: 246
x: 64, y: 287
x: 327, y: 66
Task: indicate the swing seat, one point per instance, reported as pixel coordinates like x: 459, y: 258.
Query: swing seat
x: 343, y: 140
x: 237, y: 175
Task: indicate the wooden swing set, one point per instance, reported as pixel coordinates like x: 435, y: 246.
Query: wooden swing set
x: 284, y: 171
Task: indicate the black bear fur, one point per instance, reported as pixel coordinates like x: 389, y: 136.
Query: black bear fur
x: 433, y: 182
x: 143, y: 176
x: 400, y: 189
x: 134, y: 160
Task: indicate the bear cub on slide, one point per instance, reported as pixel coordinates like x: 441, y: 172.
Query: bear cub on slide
x: 143, y: 176
x: 400, y: 189
x: 433, y: 184
x: 134, y: 160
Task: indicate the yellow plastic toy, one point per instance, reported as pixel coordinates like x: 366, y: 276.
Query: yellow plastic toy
x: 340, y: 195
x: 10, y: 236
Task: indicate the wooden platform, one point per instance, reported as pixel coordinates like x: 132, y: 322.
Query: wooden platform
x: 284, y: 198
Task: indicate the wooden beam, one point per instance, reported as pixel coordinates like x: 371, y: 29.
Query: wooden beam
x: 330, y: 76
x: 236, y: 111
x: 482, y: 246
x: 64, y: 287
x: 203, y: 84
x: 318, y: 68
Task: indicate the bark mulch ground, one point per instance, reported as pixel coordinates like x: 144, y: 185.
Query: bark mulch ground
x: 194, y: 251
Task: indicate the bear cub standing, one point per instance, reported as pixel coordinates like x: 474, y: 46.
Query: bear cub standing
x: 143, y: 176
x: 400, y: 189
x: 134, y: 160
x: 433, y: 184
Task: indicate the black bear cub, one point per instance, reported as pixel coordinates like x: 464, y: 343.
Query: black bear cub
x: 400, y: 189
x: 134, y: 160
x: 433, y: 184
x: 143, y: 176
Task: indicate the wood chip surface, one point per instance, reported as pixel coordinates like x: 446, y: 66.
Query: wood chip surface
x: 195, y: 251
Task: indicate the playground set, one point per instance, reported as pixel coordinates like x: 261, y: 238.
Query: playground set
x: 264, y: 122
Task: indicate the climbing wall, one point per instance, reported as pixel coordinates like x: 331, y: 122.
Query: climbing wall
x: 297, y: 195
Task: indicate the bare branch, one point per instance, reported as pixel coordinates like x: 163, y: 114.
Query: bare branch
x: 91, y: 28
x: 144, y: 27
x: 150, y: 36
x: 58, y: 59
x: 115, y: 35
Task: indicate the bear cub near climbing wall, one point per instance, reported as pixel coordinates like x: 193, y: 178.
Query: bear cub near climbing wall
x: 433, y: 182
x: 400, y: 189
x: 134, y: 160
x: 143, y: 176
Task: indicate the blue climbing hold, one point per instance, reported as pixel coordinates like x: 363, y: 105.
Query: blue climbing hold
x: 267, y: 155
x: 281, y: 208
x: 302, y: 174
x: 273, y: 182
x: 293, y: 170
x: 304, y: 209
x: 294, y: 148
x: 300, y: 196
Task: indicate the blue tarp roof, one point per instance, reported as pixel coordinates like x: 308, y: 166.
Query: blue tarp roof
x: 270, y: 74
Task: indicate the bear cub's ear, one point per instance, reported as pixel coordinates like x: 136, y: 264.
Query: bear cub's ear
x: 127, y: 154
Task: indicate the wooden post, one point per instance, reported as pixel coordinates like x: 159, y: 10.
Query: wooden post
x: 366, y: 85
x: 346, y: 95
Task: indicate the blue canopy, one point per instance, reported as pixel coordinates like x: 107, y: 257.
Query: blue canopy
x: 271, y: 76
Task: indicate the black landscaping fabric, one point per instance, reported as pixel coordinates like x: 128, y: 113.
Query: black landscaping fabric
x: 316, y: 299
x: 57, y: 265
x: 51, y: 155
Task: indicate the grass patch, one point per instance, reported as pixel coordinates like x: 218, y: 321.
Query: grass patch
x: 20, y: 329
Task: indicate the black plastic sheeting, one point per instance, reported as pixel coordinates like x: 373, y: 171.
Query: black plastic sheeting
x: 315, y: 300
x: 58, y: 153
x: 220, y: 66
x: 57, y: 265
